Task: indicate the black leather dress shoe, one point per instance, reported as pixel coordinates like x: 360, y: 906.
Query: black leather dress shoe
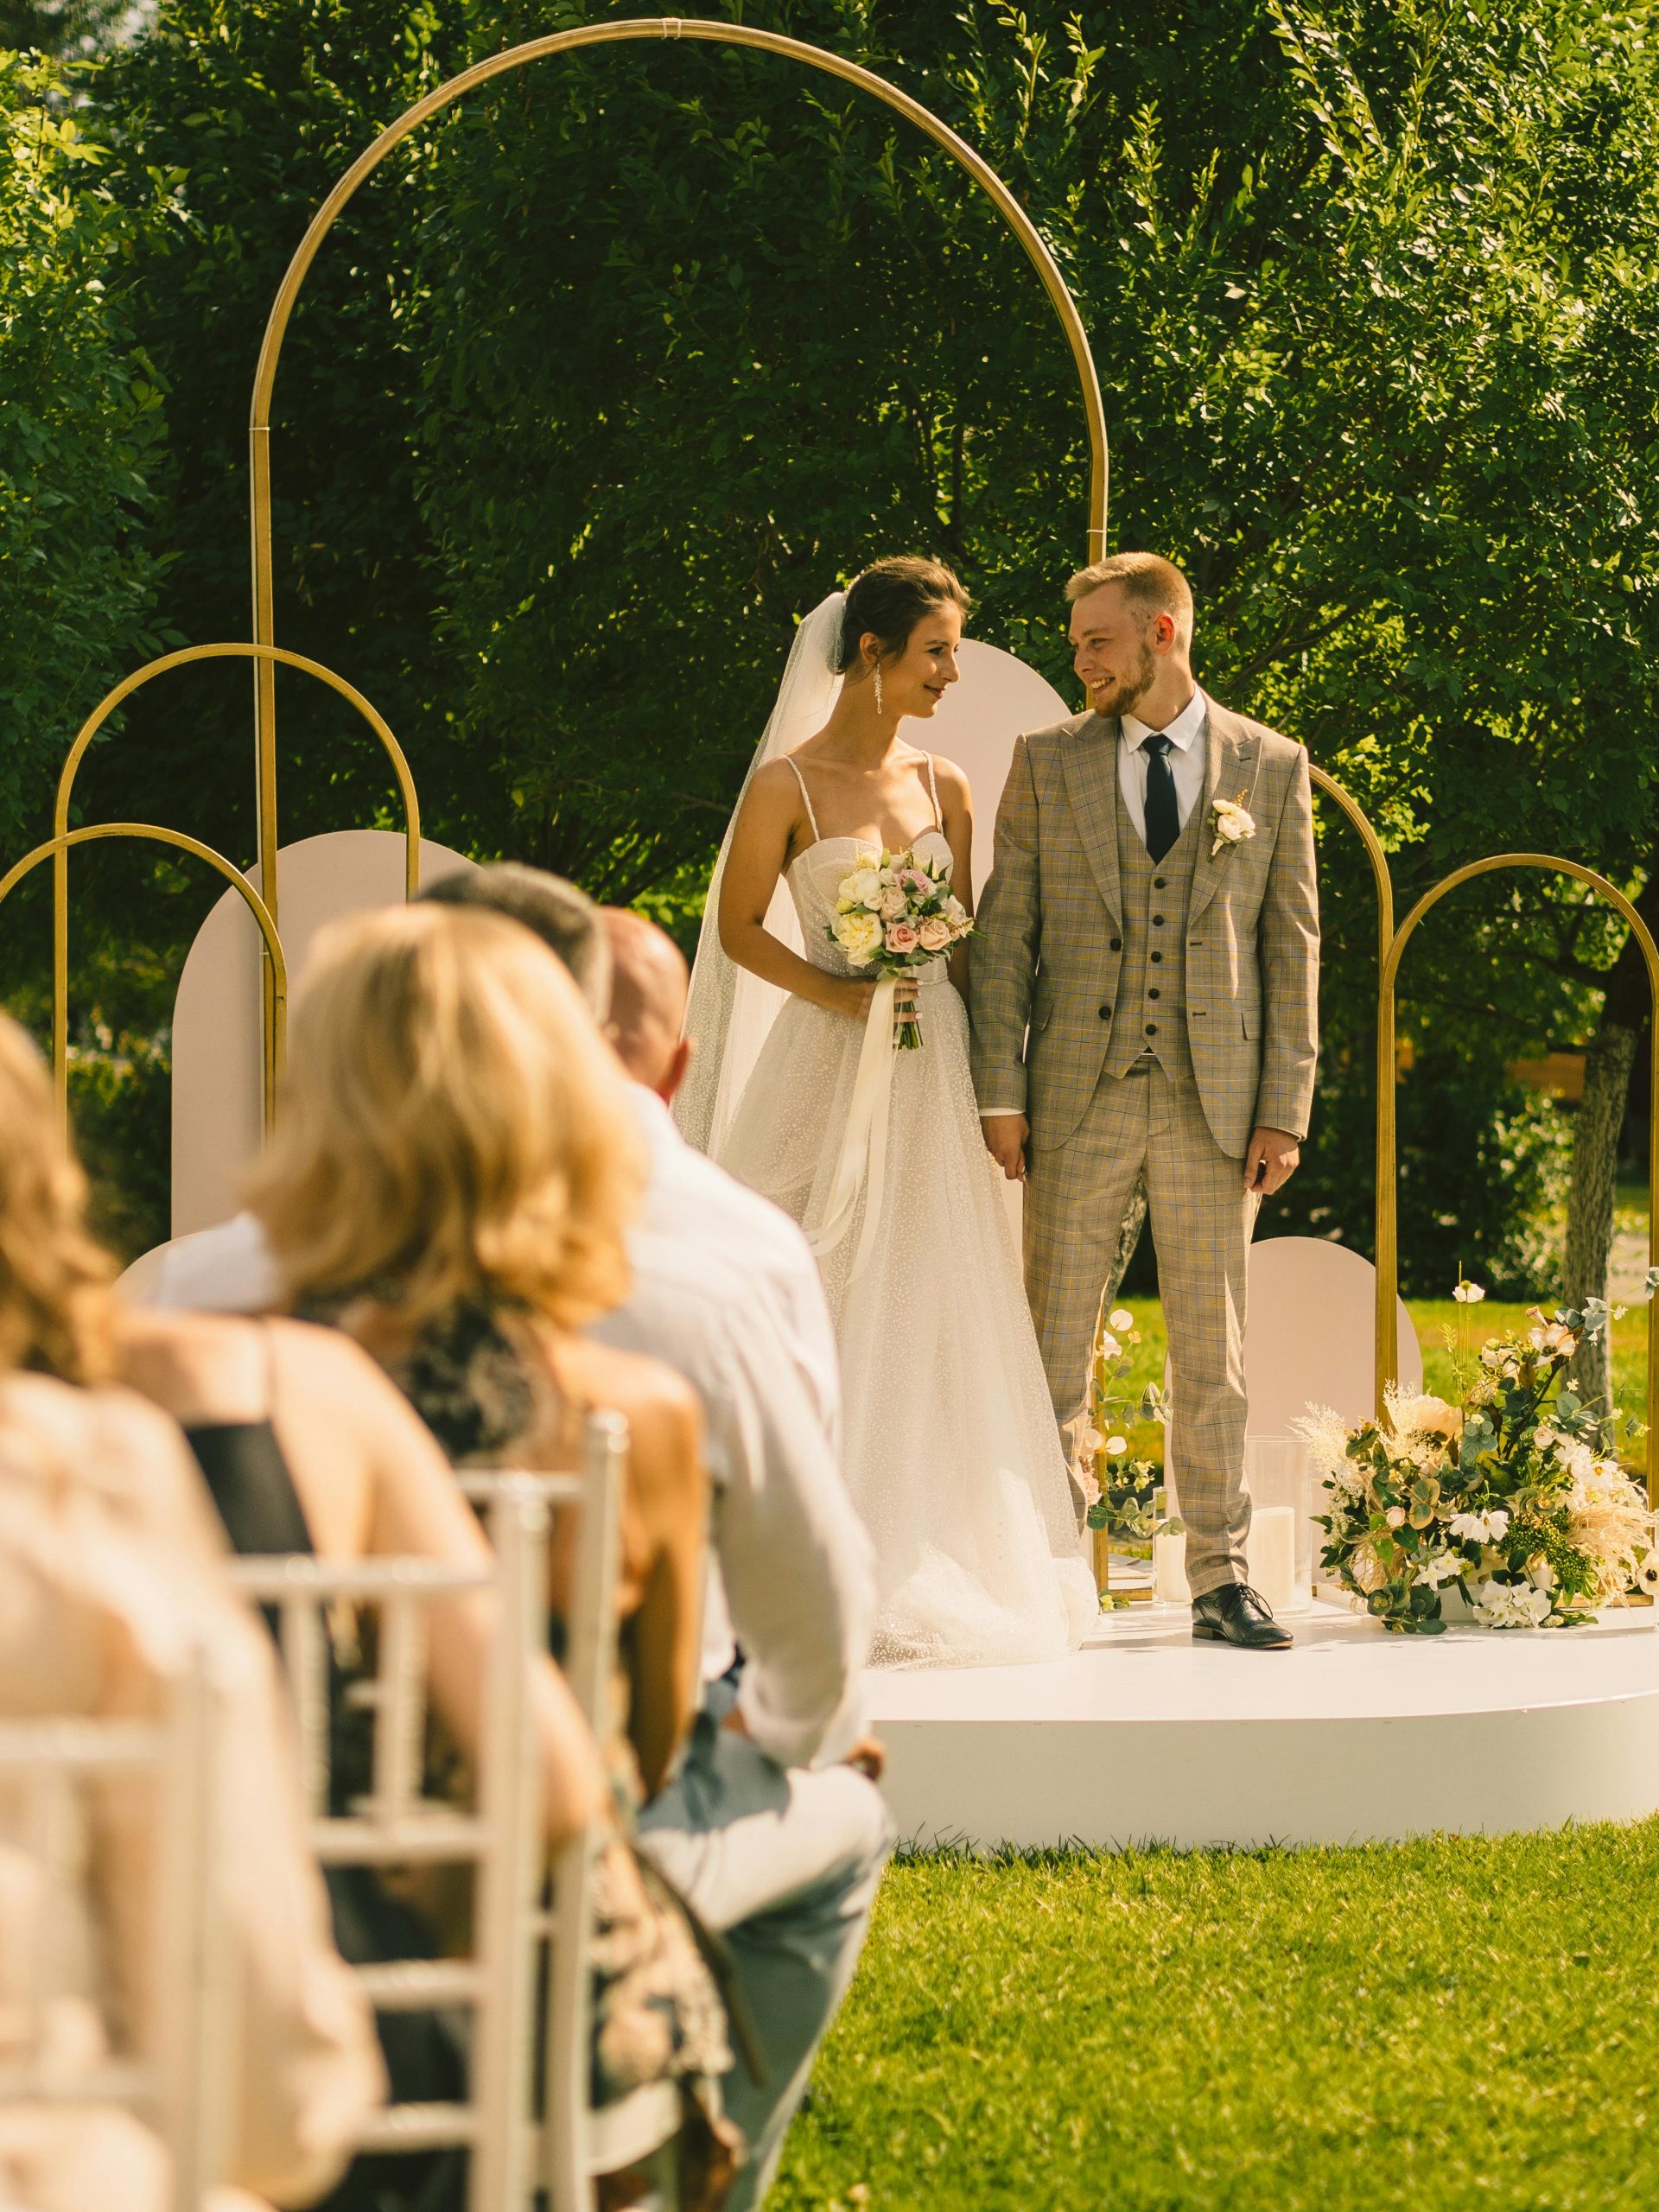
x: 1234, y: 1614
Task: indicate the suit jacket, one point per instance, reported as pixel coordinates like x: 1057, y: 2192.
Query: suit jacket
x: 1043, y: 966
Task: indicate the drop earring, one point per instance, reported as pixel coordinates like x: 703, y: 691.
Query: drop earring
x: 877, y: 673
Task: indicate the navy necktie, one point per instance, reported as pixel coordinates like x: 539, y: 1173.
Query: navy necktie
x: 1163, y: 812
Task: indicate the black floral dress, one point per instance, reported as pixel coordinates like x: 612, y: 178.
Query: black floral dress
x: 658, y: 2012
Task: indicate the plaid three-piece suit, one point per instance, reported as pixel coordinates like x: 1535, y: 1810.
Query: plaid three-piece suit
x: 1147, y: 1016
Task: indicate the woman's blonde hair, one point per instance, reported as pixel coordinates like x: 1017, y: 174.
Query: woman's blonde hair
x: 54, y: 1279
x: 453, y: 1123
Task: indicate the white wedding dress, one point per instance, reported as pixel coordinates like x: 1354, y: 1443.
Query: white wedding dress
x: 951, y: 1451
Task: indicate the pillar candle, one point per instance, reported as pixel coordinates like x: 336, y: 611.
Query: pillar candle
x: 1271, y: 1555
x: 1169, y: 1568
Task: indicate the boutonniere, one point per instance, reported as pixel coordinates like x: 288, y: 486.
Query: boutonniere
x: 1232, y: 824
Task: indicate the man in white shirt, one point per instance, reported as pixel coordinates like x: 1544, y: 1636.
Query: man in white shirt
x: 774, y: 1843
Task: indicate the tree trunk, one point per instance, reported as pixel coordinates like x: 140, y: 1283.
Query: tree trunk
x: 1624, y: 1013
x: 1590, y: 1207
x: 1128, y: 1236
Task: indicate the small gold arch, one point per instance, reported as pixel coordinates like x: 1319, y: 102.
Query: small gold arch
x: 267, y: 657
x: 56, y: 847
x: 1388, y: 1197
x: 626, y: 29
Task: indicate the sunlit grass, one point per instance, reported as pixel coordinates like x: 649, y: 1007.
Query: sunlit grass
x: 1438, y: 2025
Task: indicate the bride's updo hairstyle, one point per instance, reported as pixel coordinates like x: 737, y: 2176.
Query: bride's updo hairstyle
x: 890, y: 598
x: 453, y: 1124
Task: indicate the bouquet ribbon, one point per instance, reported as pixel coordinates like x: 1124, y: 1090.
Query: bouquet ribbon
x: 862, y: 1165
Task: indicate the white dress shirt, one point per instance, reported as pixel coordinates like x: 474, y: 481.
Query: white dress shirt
x: 1188, y: 759
x: 225, y: 1269
x: 726, y: 1290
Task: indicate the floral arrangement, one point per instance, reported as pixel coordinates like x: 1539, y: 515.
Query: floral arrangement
x: 1513, y: 1496
x: 893, y: 913
x: 1124, y: 1495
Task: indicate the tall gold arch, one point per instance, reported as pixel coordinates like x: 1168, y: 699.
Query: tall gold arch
x: 1388, y: 1194
x: 622, y: 31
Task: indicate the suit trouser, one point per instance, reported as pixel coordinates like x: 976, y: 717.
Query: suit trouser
x: 785, y: 1864
x: 1202, y: 1217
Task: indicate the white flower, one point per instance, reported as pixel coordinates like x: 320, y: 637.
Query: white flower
x: 1469, y: 1294
x: 859, y: 936
x: 863, y: 888
x: 1646, y: 1575
x: 1115, y: 1446
x: 1395, y: 1516
x: 1110, y: 1347
x: 1508, y: 1604
x: 1091, y: 1440
x: 1120, y: 1318
x: 1232, y: 825
x: 1444, y: 1568
x: 1480, y: 1528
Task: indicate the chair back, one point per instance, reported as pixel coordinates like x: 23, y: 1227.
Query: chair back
x: 180, y: 2087
x: 575, y: 2142
x: 396, y: 1825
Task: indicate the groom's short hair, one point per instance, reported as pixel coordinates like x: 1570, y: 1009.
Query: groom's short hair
x: 1151, y: 584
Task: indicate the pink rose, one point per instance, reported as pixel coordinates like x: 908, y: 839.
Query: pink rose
x: 935, y: 933
x: 902, y: 938
x: 917, y: 879
x: 893, y: 903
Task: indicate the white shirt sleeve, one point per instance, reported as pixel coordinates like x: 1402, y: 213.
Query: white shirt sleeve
x: 795, y: 1559
x: 225, y: 1269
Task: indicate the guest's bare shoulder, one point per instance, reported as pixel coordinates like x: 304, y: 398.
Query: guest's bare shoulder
x: 663, y: 1415
x: 116, y: 1441
x: 627, y: 1381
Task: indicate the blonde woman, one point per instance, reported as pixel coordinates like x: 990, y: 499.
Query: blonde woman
x: 450, y: 1182
x: 110, y: 1573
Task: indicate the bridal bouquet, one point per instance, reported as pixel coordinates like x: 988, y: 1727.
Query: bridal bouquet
x: 893, y: 914
x: 1513, y: 1496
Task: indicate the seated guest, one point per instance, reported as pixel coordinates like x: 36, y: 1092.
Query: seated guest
x: 450, y: 1183
x: 110, y: 1576
x: 772, y: 1845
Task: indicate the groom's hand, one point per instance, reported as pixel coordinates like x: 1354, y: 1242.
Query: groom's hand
x: 1272, y: 1159
x: 1005, y: 1138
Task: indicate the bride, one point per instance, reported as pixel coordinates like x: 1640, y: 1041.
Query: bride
x: 951, y: 1449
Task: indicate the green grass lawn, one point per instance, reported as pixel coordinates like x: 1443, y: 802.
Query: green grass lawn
x: 1432, y: 1318
x: 1439, y: 2025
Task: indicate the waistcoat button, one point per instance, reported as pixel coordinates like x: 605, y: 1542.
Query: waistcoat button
x: 1158, y: 882
x: 1105, y: 1013
x: 1152, y: 1029
x: 1154, y: 992
x: 1157, y: 921
x: 1155, y: 956
x: 1116, y: 944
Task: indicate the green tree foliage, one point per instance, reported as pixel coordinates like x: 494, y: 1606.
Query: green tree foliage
x: 81, y: 439
x: 613, y: 369
x: 66, y: 28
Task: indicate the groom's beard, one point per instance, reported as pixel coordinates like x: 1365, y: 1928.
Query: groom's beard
x: 1123, y: 698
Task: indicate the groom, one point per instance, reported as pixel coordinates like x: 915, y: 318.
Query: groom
x: 1145, y: 986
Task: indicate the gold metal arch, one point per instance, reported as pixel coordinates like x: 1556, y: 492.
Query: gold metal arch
x: 1388, y: 1196
x: 56, y: 848
x: 273, y: 969
x: 1386, y: 1240
x: 624, y: 31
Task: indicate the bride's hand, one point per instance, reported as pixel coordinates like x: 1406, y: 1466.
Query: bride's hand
x: 848, y: 995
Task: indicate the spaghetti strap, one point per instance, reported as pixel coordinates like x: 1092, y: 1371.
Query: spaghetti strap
x: 932, y: 785
x: 806, y: 795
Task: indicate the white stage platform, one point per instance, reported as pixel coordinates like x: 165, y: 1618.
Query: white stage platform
x: 1355, y: 1736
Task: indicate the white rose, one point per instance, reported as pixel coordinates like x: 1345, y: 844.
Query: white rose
x: 1233, y: 824
x: 863, y: 888
x: 859, y: 936
x: 892, y: 903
